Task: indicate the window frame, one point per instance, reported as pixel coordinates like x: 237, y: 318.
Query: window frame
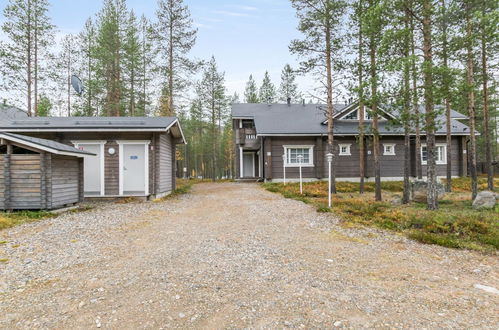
x: 392, y: 145
x: 437, y: 162
x: 310, y: 155
x: 349, y: 150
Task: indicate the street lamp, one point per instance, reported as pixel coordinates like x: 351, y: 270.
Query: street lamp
x: 284, y: 166
x: 329, y: 161
x: 300, y: 161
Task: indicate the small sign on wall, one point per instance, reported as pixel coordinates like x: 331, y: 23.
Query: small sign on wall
x: 134, y: 157
x: 269, y: 153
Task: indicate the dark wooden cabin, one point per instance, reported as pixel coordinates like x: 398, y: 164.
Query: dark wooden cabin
x: 39, y: 174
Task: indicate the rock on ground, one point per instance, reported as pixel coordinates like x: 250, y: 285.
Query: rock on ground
x: 485, y: 200
x: 234, y: 256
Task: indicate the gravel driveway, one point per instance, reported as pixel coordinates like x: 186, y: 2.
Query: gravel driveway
x: 232, y: 256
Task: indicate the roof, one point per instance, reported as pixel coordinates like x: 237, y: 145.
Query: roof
x: 11, y: 112
x: 92, y: 124
x: 298, y: 119
x: 45, y: 145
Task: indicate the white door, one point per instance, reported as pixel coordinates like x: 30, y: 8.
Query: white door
x: 134, y: 169
x: 92, y: 170
x: 248, y: 164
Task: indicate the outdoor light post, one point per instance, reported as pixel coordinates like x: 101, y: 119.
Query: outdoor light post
x: 284, y: 167
x: 329, y: 161
x: 300, y: 160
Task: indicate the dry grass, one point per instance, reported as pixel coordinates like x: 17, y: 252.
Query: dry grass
x: 456, y: 224
x: 11, y: 219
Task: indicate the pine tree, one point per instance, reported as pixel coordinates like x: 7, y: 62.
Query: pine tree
x: 29, y: 34
x: 288, y: 89
x: 148, y: 64
x: 132, y: 63
x: 176, y: 37
x: 65, y: 66
x: 251, y: 91
x: 109, y: 54
x: 267, y: 93
x: 87, y: 68
x: 44, y: 106
x: 211, y: 92
x: 320, y: 23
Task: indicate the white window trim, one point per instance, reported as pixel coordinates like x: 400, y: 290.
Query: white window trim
x: 444, y: 155
x: 310, y: 155
x: 146, y: 160
x: 348, y: 146
x: 356, y: 119
x: 101, y: 143
x: 392, y: 153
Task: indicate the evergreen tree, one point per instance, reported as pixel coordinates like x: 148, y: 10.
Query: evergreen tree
x: 44, y: 106
x: 132, y: 64
x: 87, y: 69
x: 288, y: 89
x: 267, y: 93
x: 29, y: 34
x: 320, y: 23
x: 148, y: 64
x: 112, y: 22
x: 66, y: 63
x: 176, y: 37
x: 211, y: 92
x: 251, y: 91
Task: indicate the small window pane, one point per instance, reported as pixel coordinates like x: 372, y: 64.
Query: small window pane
x: 352, y: 115
x: 424, y: 154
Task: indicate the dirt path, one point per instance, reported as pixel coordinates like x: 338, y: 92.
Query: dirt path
x: 231, y: 256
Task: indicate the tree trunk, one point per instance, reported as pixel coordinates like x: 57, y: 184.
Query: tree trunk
x: 360, y: 114
x: 29, y: 66
x: 35, y: 46
x: 374, y: 108
x: 432, y: 202
x: 330, y: 124
x: 170, y: 68
x: 471, y: 102
x: 448, y: 183
x: 419, y: 169
x: 69, y: 80
x: 486, y: 116
x: 405, y: 116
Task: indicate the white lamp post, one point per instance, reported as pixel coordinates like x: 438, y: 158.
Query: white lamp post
x: 329, y: 161
x: 284, y: 166
x: 300, y: 160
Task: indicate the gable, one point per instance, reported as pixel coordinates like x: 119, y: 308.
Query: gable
x: 351, y: 113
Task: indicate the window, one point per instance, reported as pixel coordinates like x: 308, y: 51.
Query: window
x: 247, y: 123
x: 389, y: 149
x: 352, y: 115
x: 345, y: 150
x: 440, y: 154
x: 293, y: 154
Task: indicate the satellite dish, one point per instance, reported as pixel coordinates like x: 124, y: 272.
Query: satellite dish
x: 77, y: 84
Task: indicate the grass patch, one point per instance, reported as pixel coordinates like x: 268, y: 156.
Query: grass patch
x: 183, y: 186
x: 4, y: 260
x: 11, y: 219
x: 455, y: 225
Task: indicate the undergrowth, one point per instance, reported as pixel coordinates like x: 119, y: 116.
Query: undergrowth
x: 456, y: 224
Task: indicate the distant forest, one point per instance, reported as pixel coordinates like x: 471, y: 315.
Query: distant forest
x: 401, y: 52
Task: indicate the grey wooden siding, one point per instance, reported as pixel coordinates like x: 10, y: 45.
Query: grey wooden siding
x: 278, y: 144
x: 39, y: 181
x: 348, y: 166
x: 25, y: 178
x: 166, y: 164
x: 65, y: 180
x: 111, y: 169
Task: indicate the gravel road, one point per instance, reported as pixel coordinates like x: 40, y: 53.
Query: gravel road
x: 234, y: 256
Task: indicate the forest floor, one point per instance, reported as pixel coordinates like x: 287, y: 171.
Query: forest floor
x: 455, y: 224
x: 233, y: 255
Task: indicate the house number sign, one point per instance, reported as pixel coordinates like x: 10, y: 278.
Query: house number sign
x: 134, y: 157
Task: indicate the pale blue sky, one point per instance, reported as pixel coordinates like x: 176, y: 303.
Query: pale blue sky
x: 246, y: 36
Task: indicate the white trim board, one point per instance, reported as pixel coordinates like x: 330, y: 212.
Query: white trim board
x: 310, y: 155
x: 146, y: 143
x: 102, y: 144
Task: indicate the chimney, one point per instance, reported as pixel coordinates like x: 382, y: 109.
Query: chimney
x: 269, y: 101
x: 289, y: 101
x: 4, y: 102
x: 303, y: 102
